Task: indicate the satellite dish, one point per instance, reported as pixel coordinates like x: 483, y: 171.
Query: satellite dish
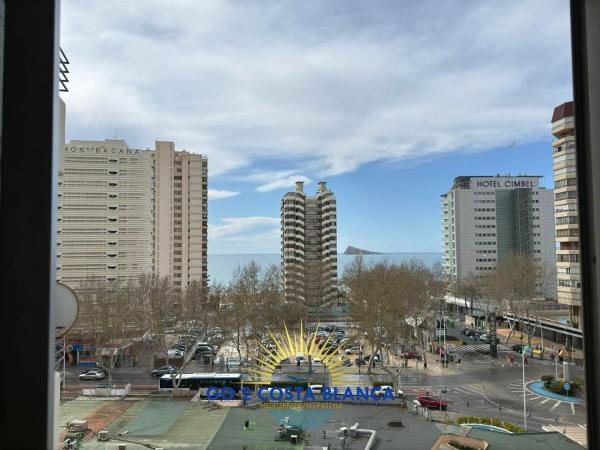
x: 66, y: 309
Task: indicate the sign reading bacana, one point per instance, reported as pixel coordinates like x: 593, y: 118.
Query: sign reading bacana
x: 103, y: 150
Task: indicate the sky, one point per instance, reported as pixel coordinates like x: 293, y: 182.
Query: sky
x: 387, y: 101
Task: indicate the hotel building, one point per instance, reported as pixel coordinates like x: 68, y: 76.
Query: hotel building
x: 566, y: 211
x: 309, y: 246
x: 485, y: 218
x: 105, y: 212
x: 124, y: 212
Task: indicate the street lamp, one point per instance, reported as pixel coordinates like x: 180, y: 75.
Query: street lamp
x: 524, y: 393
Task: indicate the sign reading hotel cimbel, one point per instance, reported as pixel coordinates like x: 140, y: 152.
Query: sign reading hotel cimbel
x: 504, y: 182
x: 104, y: 150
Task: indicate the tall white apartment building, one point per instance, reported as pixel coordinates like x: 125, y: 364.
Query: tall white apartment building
x: 181, y: 215
x: 566, y: 211
x: 485, y: 218
x: 125, y: 212
x: 105, y: 212
x: 309, y: 246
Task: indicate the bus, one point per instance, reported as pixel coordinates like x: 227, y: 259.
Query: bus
x: 202, y: 381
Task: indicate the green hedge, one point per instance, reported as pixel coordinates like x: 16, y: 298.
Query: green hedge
x: 491, y: 421
x: 556, y: 386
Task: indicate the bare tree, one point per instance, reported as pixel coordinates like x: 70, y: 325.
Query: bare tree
x: 520, y: 284
x: 469, y: 289
x: 106, y: 314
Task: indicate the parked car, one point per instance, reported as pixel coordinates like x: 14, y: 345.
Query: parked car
x: 517, y: 348
x: 467, y: 331
x: 316, y: 388
x: 96, y: 369
x: 432, y: 403
x: 164, y: 370
x: 92, y: 375
x: 233, y: 361
x: 409, y: 355
x: 346, y: 362
x: 317, y: 362
x: 382, y: 389
x: 175, y: 353
x: 360, y: 362
x: 352, y: 350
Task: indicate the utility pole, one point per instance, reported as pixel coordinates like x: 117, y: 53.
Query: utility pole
x: 555, y: 362
x: 524, y: 393
x: 64, y: 355
x: 493, y: 334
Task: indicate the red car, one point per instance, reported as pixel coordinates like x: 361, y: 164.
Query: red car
x: 409, y: 355
x: 432, y: 403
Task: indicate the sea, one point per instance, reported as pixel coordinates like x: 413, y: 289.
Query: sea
x: 222, y: 266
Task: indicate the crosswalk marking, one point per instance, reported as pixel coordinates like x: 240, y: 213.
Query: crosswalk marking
x: 537, y: 397
x: 544, y: 401
x: 555, y: 405
x: 467, y: 390
x: 572, y: 408
x: 485, y: 347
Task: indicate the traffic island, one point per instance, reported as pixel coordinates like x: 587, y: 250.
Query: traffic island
x: 549, y: 387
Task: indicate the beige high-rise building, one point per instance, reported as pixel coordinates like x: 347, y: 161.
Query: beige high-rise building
x: 181, y: 215
x: 105, y: 217
x: 125, y: 212
x: 309, y: 246
x: 566, y: 211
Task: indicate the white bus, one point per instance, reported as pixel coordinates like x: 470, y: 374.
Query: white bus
x: 202, y: 381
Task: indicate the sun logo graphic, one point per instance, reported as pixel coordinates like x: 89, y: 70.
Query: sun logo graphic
x: 292, y: 345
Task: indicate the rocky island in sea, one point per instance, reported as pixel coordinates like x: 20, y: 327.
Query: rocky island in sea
x: 359, y: 251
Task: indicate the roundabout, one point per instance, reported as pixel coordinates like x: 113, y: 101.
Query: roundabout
x: 537, y: 387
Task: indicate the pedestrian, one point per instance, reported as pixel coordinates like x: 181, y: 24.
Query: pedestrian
x: 298, y: 363
x: 459, y: 361
x: 526, y: 359
x: 552, y: 356
x: 324, y: 434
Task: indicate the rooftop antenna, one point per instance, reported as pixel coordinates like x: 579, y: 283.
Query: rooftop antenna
x: 115, y: 134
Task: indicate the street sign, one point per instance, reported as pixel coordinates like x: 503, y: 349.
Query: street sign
x: 566, y: 386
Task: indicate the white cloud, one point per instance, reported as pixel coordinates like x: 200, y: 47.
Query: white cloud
x: 217, y: 194
x: 255, y: 234
x: 328, y: 86
x: 282, y: 183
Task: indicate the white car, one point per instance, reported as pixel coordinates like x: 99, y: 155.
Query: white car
x: 382, y: 389
x: 174, y: 353
x: 317, y: 362
x: 92, y: 375
x: 316, y: 388
x: 233, y: 361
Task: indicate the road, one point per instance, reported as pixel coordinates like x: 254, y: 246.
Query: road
x: 479, y: 386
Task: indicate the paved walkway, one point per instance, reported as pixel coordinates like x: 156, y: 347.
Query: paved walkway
x: 577, y: 433
x: 535, y: 340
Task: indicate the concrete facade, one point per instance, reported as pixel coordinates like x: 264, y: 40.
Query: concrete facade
x: 105, y: 212
x: 485, y: 218
x: 566, y: 210
x: 125, y: 212
x: 309, y: 246
x: 181, y: 215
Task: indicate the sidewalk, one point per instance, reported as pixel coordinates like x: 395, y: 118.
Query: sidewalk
x: 433, y: 368
x: 536, y: 340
